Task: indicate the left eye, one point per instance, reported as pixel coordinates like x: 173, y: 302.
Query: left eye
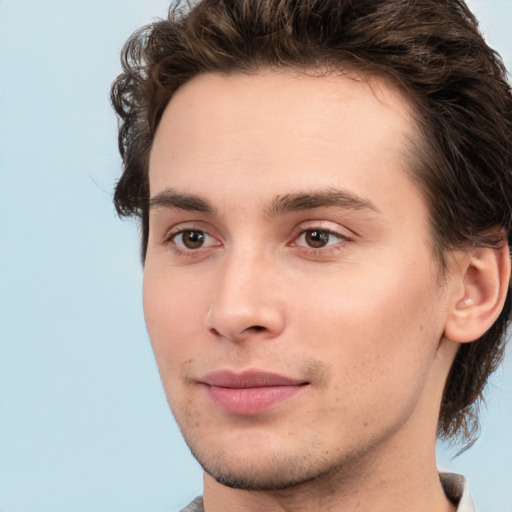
x: 192, y: 239
x: 318, y: 238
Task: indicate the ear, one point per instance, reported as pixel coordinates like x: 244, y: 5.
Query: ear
x: 486, y: 281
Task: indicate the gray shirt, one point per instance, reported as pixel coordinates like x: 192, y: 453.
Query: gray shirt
x: 455, y: 486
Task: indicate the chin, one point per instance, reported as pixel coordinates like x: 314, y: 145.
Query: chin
x: 260, y: 476
x: 256, y: 482
x: 268, y: 470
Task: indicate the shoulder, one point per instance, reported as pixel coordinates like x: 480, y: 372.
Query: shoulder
x: 194, y: 506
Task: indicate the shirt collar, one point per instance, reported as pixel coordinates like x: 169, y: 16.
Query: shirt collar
x: 457, y: 490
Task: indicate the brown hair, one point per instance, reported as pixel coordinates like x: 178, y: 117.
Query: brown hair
x: 430, y: 48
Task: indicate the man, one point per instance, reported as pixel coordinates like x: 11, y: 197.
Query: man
x: 325, y: 195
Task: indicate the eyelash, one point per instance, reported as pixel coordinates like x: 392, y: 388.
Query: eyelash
x: 301, y: 231
x: 339, y: 243
x: 170, y: 241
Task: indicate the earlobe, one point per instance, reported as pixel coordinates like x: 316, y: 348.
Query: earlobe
x: 486, y: 281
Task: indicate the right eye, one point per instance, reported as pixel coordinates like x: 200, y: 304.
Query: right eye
x: 190, y: 239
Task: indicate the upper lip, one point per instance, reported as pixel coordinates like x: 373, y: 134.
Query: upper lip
x: 248, y: 379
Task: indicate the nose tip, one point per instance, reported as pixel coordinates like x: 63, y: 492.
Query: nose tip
x: 244, y: 308
x: 238, y: 335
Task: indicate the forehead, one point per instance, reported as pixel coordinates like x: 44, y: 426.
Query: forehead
x: 283, y: 129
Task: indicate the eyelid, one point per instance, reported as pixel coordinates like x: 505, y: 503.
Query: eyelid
x: 188, y: 225
x: 343, y: 236
x: 182, y: 227
x: 326, y: 226
x: 175, y: 235
x: 338, y: 239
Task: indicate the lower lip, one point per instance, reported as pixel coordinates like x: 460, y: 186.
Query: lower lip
x: 247, y: 401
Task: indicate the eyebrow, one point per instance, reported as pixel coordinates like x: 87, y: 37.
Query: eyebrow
x: 323, y: 198
x: 170, y: 198
x: 296, y: 201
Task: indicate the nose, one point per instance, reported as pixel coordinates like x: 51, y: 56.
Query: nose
x: 246, y: 300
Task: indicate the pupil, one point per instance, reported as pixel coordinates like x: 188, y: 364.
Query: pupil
x: 193, y: 239
x: 317, y: 238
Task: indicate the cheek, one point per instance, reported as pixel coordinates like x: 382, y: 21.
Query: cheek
x: 377, y: 333
x: 174, y: 314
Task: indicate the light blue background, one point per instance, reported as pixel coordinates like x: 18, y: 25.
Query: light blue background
x: 84, y: 425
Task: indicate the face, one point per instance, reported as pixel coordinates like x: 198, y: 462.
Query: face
x: 290, y: 291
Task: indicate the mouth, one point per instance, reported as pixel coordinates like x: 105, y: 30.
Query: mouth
x: 249, y: 392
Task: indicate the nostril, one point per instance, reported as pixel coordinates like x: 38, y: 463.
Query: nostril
x: 257, y: 328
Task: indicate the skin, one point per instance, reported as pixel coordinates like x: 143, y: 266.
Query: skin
x: 342, y: 294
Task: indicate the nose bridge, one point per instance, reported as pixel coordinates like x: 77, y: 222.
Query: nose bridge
x: 245, y: 300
